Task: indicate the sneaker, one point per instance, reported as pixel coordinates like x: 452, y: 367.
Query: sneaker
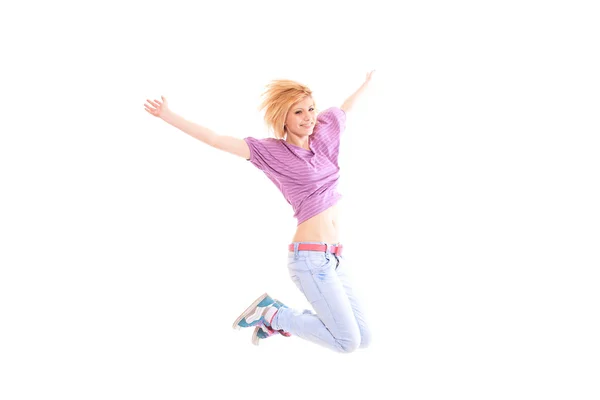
x: 262, y: 331
x: 260, y: 312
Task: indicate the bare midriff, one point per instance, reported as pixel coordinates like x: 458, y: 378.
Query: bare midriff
x: 323, y: 227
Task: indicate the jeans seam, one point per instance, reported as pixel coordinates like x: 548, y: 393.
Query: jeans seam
x: 328, y: 307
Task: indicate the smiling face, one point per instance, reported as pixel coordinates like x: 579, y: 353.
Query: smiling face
x: 301, y: 118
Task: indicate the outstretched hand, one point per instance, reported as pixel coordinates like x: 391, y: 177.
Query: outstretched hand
x: 156, y: 107
x: 348, y: 104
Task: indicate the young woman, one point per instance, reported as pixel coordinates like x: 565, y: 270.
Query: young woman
x: 302, y: 161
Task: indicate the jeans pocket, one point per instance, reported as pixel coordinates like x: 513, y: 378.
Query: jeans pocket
x: 318, y: 261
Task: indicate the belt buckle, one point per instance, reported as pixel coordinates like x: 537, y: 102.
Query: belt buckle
x: 338, y: 250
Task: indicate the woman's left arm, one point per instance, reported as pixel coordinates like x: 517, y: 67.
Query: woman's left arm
x: 350, y: 100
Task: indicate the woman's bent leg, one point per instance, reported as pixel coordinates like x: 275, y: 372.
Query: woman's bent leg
x: 333, y: 324
x: 365, y: 333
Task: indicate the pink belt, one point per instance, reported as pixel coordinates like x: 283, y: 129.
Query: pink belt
x: 334, y: 248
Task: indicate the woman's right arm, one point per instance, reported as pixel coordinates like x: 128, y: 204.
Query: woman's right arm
x: 226, y: 143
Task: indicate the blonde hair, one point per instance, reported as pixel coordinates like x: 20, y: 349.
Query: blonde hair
x: 280, y: 95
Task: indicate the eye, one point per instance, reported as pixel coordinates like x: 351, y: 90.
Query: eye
x: 311, y: 109
x: 298, y: 112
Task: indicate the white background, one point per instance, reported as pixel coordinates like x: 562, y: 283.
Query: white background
x: 470, y: 175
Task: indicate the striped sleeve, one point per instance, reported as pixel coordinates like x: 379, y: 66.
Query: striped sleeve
x: 259, y: 152
x: 332, y: 121
x: 330, y: 125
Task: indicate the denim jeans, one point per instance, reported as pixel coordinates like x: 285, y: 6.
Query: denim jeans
x: 337, y: 320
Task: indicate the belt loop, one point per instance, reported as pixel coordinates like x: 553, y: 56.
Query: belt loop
x: 327, y: 251
x: 296, y: 244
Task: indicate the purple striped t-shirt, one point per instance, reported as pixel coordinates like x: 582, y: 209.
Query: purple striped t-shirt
x: 306, y: 178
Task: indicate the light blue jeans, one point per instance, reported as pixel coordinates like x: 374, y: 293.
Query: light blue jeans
x: 337, y: 321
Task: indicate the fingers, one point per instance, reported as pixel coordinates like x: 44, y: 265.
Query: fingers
x: 153, y: 107
x: 369, y: 75
x: 151, y: 110
x: 155, y: 103
x: 149, y: 105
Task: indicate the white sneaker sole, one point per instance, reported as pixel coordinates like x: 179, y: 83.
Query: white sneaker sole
x: 249, y: 311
